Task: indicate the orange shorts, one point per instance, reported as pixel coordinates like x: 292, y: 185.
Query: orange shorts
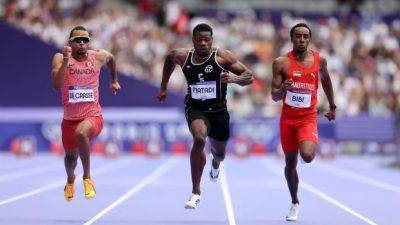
x: 294, y: 131
x: 68, y: 128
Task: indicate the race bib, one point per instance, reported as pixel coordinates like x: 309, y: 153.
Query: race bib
x: 299, y: 100
x: 80, y: 94
x: 204, y: 90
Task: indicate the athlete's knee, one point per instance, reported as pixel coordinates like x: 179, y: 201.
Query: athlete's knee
x: 199, y: 140
x: 81, y: 136
x: 308, y: 156
x: 218, y: 155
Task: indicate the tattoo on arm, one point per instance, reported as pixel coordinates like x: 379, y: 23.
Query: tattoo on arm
x: 243, y: 76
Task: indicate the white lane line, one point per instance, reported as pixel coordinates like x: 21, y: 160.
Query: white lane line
x: 227, y: 197
x: 136, y: 188
x: 29, y: 171
x: 279, y: 171
x: 97, y: 171
x: 357, y: 177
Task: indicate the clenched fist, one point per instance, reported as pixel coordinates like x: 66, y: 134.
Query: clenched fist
x: 67, y: 51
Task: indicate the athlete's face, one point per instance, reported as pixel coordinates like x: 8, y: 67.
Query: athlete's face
x: 79, y: 42
x: 300, y: 39
x: 202, y: 42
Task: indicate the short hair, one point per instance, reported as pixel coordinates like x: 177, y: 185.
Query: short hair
x: 299, y: 25
x: 78, y: 28
x: 202, y: 27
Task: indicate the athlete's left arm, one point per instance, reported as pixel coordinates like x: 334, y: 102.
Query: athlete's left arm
x: 327, y: 86
x: 108, y: 59
x: 243, y: 76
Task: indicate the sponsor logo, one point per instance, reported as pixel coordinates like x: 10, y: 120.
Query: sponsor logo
x: 208, y: 69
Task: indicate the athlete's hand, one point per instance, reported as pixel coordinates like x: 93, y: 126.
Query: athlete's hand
x: 225, y: 77
x: 331, y: 115
x: 162, y: 95
x: 115, y: 87
x: 287, y: 84
x: 67, y: 51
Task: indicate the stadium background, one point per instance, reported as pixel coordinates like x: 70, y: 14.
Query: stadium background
x: 360, y: 40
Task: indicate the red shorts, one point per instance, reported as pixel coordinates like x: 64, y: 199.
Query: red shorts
x: 294, y: 131
x: 68, y: 128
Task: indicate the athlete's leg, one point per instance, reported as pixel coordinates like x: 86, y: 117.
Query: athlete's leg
x: 291, y: 174
x: 198, y: 129
x: 308, y: 139
x: 218, y: 151
x: 83, y: 133
x: 70, y: 162
x: 307, y: 150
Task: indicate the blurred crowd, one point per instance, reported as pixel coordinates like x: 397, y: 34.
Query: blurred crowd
x: 362, y: 51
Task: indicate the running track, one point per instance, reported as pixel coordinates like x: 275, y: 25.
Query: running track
x: 136, y: 190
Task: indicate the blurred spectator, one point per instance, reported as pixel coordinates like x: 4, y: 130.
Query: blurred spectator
x: 362, y: 51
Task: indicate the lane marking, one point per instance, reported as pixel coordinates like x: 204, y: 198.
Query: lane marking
x: 136, y: 188
x: 357, y: 177
x: 227, y: 196
x: 97, y: 171
x: 29, y: 171
x: 279, y: 171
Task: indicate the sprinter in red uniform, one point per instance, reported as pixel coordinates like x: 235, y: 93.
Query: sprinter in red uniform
x: 76, y: 73
x: 295, y: 82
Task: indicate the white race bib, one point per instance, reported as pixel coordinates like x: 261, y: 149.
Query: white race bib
x: 299, y: 100
x: 80, y: 94
x: 204, y: 90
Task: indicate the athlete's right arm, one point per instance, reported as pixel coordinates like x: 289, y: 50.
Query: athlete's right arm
x: 174, y: 57
x: 276, y: 84
x: 60, y: 63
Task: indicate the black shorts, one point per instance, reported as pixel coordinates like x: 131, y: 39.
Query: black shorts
x: 217, y: 122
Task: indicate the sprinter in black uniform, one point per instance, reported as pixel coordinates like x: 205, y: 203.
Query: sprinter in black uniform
x: 207, y: 73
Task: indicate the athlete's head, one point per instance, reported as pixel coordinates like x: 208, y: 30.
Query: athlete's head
x: 79, y: 39
x: 300, y: 34
x: 202, y: 39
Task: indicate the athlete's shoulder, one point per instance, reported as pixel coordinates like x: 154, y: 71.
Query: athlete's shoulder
x: 179, y: 52
x: 99, y: 52
x: 57, y: 58
x: 224, y: 56
x: 221, y: 52
x: 282, y: 60
x: 178, y: 55
x: 322, y: 60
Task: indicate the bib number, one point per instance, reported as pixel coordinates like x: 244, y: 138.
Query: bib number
x: 204, y: 90
x: 298, y: 100
x: 80, y: 94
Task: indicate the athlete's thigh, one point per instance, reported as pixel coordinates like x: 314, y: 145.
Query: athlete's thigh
x: 85, y: 128
x: 197, y: 121
x: 308, y: 137
x: 97, y: 125
x: 220, y: 129
x: 68, y: 130
x: 288, y: 135
x: 307, y: 132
